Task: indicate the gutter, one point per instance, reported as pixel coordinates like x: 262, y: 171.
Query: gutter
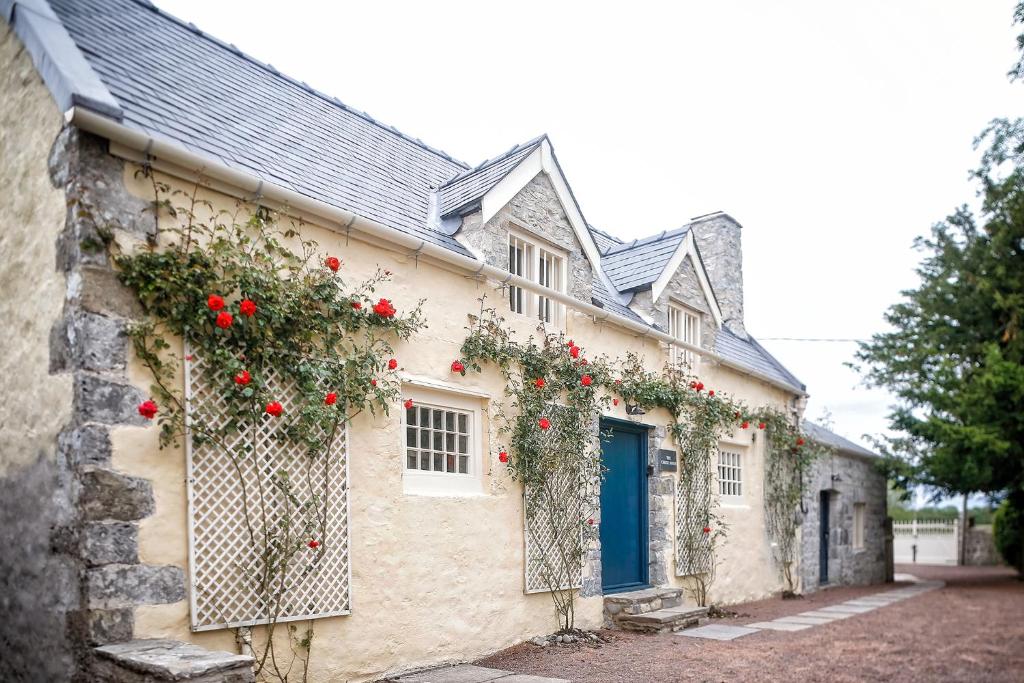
x: 253, y: 186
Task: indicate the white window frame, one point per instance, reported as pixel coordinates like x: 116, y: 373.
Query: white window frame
x: 434, y: 483
x: 684, y: 323
x: 541, y: 263
x: 859, y: 521
x: 729, y: 473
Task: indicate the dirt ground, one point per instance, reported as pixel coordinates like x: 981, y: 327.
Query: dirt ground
x: 970, y: 630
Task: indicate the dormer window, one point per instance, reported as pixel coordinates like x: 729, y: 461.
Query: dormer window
x: 684, y: 323
x: 541, y: 264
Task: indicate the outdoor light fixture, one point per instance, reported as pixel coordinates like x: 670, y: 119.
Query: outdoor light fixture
x: 633, y: 409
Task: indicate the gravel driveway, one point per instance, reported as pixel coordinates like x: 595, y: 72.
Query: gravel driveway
x: 970, y: 630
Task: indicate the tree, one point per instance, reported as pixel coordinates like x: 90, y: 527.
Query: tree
x: 955, y: 355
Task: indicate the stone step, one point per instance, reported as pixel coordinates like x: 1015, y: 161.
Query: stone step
x: 664, y: 620
x: 642, y: 601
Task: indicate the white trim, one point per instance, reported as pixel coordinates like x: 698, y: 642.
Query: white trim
x: 444, y: 484
x: 688, y: 248
x: 542, y: 159
x: 432, y: 383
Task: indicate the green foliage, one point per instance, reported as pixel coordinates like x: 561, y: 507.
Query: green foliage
x: 252, y: 301
x: 1008, y: 534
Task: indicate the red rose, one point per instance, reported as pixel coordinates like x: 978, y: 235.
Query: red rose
x: 457, y: 366
x: 800, y: 441
x: 373, y: 382
x: 503, y: 457
x: 357, y: 305
x: 584, y: 362
x: 224, y: 320
x: 147, y: 409
x: 711, y: 392
x: 618, y: 381
x: 333, y: 263
x: 539, y: 383
x: 544, y: 423
x: 247, y: 307
x: 571, y: 343
x: 707, y: 530
x: 700, y: 386
x: 190, y: 357
x: 590, y: 521
x: 586, y: 380
x: 215, y: 302
x: 274, y: 409
x: 615, y: 401
x: 392, y: 364
x: 745, y: 424
x: 693, y: 385
x: 330, y: 399
x: 760, y: 425
x: 384, y: 309
x: 736, y: 414
x: 574, y: 352
x: 408, y: 403
x: 314, y: 544
x: 243, y: 378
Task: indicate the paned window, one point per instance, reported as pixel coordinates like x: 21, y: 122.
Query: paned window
x: 538, y: 264
x: 684, y: 324
x: 730, y: 473
x: 437, y: 439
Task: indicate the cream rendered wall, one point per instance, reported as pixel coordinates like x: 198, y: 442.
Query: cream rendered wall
x: 435, y: 579
x: 32, y: 210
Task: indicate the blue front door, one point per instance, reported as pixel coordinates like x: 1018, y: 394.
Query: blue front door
x: 623, y: 508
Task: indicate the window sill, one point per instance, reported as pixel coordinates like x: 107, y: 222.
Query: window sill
x: 733, y: 505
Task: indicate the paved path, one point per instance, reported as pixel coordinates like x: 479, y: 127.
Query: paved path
x: 469, y: 673
x: 806, y: 620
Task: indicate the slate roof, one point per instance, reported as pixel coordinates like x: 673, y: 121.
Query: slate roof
x: 830, y: 438
x: 749, y: 353
x: 470, y: 186
x: 637, y: 264
x: 172, y: 81
x: 603, y: 240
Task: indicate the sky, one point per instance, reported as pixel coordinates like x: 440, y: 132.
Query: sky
x: 833, y: 132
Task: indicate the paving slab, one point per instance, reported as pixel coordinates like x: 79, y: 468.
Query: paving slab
x: 849, y: 609
x: 778, y: 626
x: 717, y: 632
x: 462, y: 673
x: 810, y: 621
x: 826, y: 615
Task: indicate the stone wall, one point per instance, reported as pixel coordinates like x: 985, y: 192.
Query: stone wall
x: 719, y: 241
x: 849, y: 480
x: 38, y: 579
x: 980, y: 548
x: 535, y: 210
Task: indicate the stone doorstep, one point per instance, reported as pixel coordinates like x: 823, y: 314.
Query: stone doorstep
x: 173, y: 660
x: 662, y: 620
x: 641, y: 601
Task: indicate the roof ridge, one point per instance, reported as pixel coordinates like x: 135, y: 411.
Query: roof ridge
x: 266, y: 66
x: 650, y: 239
x: 486, y: 163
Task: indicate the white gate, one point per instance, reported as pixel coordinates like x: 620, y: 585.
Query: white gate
x: 926, y: 541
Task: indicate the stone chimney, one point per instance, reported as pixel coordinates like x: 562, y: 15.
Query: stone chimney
x: 718, y: 239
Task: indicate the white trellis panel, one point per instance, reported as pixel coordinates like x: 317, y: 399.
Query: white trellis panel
x: 540, y: 522
x: 693, y: 501
x: 222, y: 561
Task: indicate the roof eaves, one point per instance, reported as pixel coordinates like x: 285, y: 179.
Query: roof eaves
x: 775, y: 361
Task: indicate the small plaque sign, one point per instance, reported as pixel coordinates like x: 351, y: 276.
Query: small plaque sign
x: 666, y: 460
